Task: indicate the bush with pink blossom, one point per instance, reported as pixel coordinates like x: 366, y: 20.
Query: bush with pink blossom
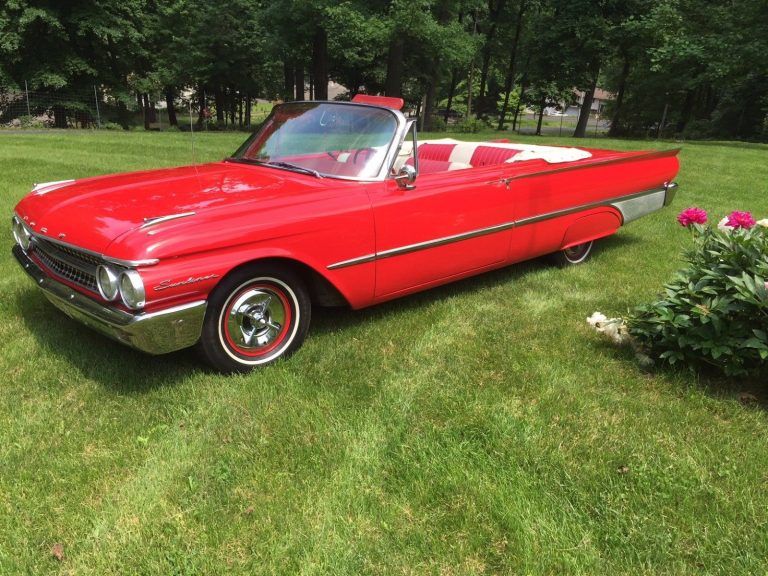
x: 714, y: 312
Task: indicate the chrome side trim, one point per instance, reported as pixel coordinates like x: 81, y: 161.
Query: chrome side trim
x: 352, y: 261
x: 153, y: 332
x: 445, y: 240
x: 40, y: 189
x: 157, y: 220
x: 638, y: 206
x: 621, y: 203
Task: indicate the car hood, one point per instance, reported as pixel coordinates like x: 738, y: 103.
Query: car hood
x: 93, y: 213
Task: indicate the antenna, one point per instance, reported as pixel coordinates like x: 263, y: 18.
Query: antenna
x: 192, y: 137
x: 192, y: 133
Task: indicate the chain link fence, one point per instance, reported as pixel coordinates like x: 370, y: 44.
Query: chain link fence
x: 93, y: 108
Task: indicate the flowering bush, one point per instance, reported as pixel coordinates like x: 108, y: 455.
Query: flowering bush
x: 692, y: 216
x: 715, y: 310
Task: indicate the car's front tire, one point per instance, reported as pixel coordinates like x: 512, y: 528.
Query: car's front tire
x: 574, y: 255
x: 255, y: 316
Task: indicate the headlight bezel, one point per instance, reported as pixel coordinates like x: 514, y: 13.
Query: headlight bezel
x: 133, y: 295
x: 112, y: 292
x: 21, y: 234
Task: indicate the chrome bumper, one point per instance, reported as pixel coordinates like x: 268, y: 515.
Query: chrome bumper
x: 670, y: 188
x: 155, y: 333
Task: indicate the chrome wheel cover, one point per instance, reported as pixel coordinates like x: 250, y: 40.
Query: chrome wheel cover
x: 256, y: 319
x: 576, y: 254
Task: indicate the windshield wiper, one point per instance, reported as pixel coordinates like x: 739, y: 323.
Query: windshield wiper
x: 277, y: 164
x: 281, y: 164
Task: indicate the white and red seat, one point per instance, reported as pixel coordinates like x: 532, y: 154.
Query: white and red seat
x: 447, y: 154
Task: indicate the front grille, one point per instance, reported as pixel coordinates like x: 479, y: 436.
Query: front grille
x: 69, y: 263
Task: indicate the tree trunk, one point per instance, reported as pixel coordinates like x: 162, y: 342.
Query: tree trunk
x: 685, y: 115
x: 320, y: 64
x: 289, y: 91
x: 429, y: 101
x: 240, y: 110
x: 59, y: 116
x: 615, y: 129
x: 469, y: 92
x: 523, y: 88
x: 512, y: 67
x: 393, y: 84
x: 451, y: 91
x: 218, y: 97
x: 232, y: 105
x: 172, y: 120
x: 299, y: 82
x: 586, y: 106
x: 201, y: 103
x: 542, y: 105
x: 248, y: 106
x: 483, y: 106
x: 146, y: 111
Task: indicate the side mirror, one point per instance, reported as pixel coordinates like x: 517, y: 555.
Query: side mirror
x: 406, y: 177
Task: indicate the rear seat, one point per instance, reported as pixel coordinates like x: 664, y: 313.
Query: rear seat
x: 447, y: 154
x: 427, y: 166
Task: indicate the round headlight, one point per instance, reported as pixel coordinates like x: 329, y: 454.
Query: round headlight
x: 132, y: 289
x: 107, y: 282
x: 21, y: 234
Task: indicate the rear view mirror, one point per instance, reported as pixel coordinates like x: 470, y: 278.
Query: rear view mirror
x: 406, y: 177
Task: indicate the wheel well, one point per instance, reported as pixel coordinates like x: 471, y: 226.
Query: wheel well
x: 321, y: 290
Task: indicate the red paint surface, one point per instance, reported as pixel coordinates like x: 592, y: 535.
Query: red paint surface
x: 245, y: 213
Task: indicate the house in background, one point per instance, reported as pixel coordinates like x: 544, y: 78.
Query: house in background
x: 598, y: 103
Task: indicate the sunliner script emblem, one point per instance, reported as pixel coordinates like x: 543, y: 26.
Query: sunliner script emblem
x: 165, y: 284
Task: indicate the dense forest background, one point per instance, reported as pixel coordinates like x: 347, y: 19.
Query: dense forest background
x: 700, y: 67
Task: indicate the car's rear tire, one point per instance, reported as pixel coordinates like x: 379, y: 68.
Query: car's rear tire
x: 574, y: 255
x: 255, y: 316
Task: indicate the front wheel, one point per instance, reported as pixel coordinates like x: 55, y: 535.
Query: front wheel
x: 573, y: 255
x: 255, y: 316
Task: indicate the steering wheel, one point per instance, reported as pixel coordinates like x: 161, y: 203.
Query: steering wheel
x: 367, y: 151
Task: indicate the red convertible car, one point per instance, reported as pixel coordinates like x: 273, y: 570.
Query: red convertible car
x: 328, y: 203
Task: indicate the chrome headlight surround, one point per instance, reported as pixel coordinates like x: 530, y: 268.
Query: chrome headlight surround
x: 108, y: 282
x: 132, y: 291
x: 21, y: 234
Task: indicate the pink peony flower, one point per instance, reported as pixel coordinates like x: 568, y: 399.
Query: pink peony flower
x: 738, y: 219
x: 692, y: 215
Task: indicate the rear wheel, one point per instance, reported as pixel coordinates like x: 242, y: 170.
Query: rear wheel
x: 255, y: 316
x: 573, y: 255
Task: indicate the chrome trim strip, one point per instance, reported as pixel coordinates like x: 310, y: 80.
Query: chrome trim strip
x: 493, y: 229
x: 40, y: 189
x: 444, y: 240
x: 352, y: 261
x: 118, y: 261
x: 157, y: 220
x: 152, y: 332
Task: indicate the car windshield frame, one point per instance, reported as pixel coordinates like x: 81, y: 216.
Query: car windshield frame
x: 383, y: 171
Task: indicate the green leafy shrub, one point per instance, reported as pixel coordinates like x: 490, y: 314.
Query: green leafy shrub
x: 715, y: 311
x: 470, y: 126
x: 438, y: 124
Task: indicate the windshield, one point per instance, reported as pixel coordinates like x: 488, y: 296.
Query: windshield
x: 325, y: 138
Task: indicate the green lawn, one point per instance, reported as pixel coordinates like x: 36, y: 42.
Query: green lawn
x: 479, y: 428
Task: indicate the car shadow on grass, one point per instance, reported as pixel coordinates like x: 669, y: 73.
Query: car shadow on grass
x: 333, y: 319
x: 129, y: 371
x: 97, y: 357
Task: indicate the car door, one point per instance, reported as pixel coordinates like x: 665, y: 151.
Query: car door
x: 449, y: 224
